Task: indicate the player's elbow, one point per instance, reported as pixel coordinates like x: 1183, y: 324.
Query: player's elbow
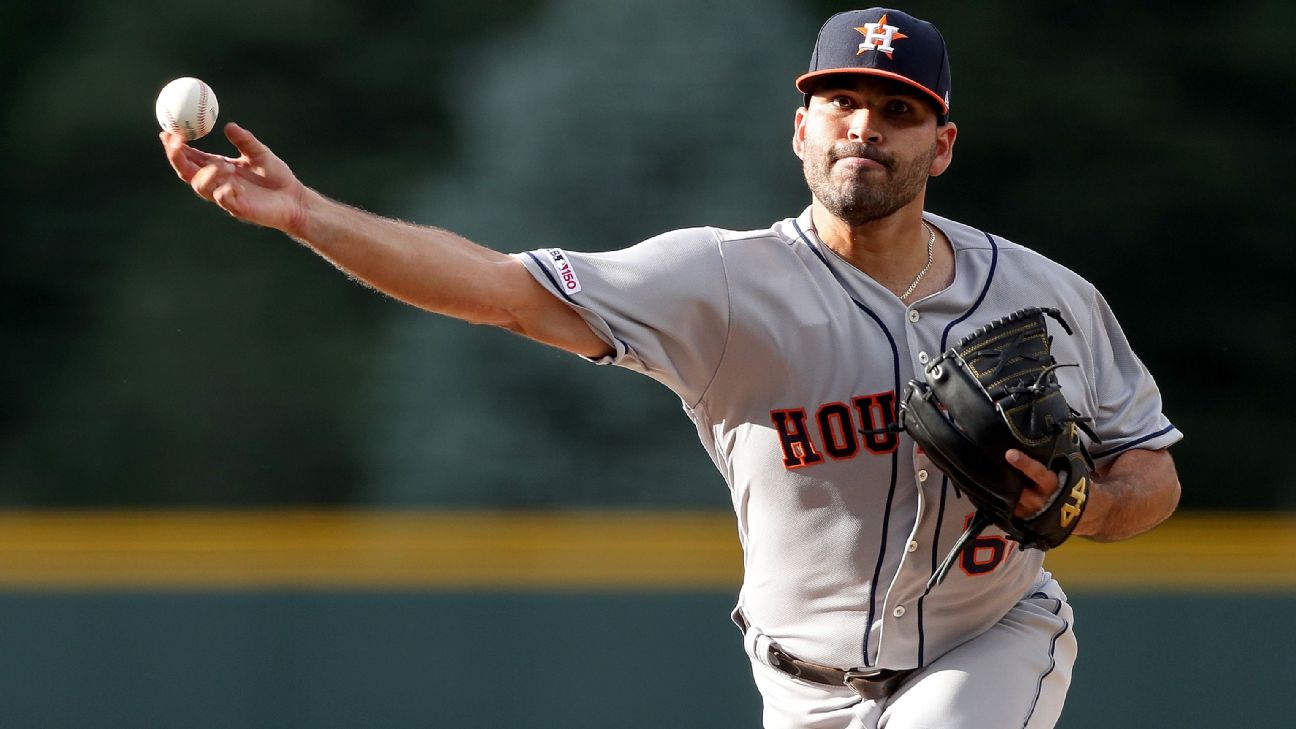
x: 531, y: 310
x: 1173, y: 492
x: 562, y: 328
x: 1164, y: 500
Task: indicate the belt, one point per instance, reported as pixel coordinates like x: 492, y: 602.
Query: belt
x: 869, y: 683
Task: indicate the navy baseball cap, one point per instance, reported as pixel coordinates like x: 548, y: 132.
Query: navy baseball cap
x: 887, y: 43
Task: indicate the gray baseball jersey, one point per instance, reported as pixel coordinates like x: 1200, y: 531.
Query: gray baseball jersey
x: 784, y: 355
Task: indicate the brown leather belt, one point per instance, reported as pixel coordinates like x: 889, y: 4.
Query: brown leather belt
x: 870, y: 683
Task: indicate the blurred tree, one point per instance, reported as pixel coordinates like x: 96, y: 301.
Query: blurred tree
x: 158, y: 352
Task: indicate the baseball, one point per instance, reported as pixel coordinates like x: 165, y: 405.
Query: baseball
x: 188, y: 107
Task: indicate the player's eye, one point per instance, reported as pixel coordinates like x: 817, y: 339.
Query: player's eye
x: 898, y: 106
x: 842, y: 101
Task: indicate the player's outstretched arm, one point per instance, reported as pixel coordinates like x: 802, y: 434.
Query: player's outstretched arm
x: 426, y: 267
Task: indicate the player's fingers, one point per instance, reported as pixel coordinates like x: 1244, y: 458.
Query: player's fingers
x: 254, y: 174
x: 1033, y: 469
x: 247, y: 144
x: 176, y: 152
x: 227, y: 197
x: 206, y: 180
x: 185, y: 160
x: 259, y: 164
x: 175, y: 143
x: 1030, y: 503
x: 1039, y: 493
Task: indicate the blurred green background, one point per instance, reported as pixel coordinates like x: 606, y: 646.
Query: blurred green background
x: 158, y: 354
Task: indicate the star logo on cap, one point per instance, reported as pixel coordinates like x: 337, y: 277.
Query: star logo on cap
x: 878, y: 37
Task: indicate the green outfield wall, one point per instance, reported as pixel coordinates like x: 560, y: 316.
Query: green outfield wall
x: 323, y: 620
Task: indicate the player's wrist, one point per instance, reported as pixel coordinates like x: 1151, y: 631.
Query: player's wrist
x: 306, y: 214
x: 1094, y: 516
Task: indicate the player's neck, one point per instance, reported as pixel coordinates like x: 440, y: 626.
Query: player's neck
x: 890, y: 250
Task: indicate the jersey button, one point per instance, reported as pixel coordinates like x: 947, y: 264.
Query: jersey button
x: 922, y: 358
x: 922, y: 476
x: 911, y: 547
x: 914, y: 316
x: 899, y: 611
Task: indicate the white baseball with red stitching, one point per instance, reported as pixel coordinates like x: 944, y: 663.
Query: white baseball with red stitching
x: 188, y: 107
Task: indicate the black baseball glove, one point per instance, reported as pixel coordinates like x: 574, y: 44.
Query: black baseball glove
x: 997, y: 390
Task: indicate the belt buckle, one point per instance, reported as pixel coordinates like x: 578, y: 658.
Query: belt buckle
x: 872, y: 675
x: 872, y: 684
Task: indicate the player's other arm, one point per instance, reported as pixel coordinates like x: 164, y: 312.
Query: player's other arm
x: 426, y: 267
x: 1138, y: 490
x: 1130, y: 495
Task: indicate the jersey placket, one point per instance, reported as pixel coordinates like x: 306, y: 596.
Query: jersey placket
x: 899, y: 630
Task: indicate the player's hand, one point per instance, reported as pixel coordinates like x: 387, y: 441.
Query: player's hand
x: 1043, y: 484
x: 256, y: 187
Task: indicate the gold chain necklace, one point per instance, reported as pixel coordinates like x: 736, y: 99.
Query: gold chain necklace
x: 931, y: 240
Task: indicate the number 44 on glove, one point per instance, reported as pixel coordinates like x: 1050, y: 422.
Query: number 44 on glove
x: 998, y: 389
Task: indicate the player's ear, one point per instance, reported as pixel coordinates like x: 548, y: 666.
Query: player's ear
x: 798, y: 132
x: 945, y: 136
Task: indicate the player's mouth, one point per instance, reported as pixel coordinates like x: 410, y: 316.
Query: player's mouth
x: 860, y: 155
x: 859, y: 163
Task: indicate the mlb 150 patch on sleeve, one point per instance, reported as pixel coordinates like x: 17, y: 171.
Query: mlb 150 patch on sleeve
x: 566, y: 274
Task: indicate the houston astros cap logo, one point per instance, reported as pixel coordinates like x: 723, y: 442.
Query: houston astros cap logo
x: 879, y: 36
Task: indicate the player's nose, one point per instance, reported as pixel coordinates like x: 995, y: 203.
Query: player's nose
x: 861, y: 127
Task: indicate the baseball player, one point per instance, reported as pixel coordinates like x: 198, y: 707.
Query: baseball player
x: 789, y: 347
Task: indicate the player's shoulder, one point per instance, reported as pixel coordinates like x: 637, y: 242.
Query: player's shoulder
x: 699, y: 247
x: 1013, y: 257
x: 777, y: 233
x: 788, y: 234
x: 736, y: 236
x: 777, y: 241
x: 724, y: 241
x: 711, y: 236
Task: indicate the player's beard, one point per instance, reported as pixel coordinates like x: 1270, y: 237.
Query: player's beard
x: 855, y: 199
